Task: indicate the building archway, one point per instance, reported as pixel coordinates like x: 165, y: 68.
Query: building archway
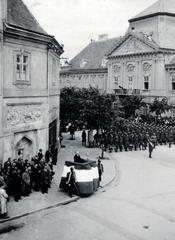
x: 24, y: 148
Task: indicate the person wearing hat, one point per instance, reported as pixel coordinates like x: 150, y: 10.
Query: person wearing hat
x: 71, y: 182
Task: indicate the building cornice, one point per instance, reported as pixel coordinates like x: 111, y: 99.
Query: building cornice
x: 160, y: 51
x: 151, y: 15
x: 16, y: 32
x: 84, y: 71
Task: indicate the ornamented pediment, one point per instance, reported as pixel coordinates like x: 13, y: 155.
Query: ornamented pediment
x: 131, y: 46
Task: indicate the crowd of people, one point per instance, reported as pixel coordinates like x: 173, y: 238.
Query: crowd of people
x: 131, y: 135
x: 19, y: 177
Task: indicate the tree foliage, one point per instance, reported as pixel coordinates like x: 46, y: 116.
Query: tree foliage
x: 159, y: 106
x: 91, y: 106
x: 131, y: 103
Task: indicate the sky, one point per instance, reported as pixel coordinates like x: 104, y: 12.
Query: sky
x: 75, y: 22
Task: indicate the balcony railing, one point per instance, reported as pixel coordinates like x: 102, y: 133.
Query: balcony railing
x: 127, y: 91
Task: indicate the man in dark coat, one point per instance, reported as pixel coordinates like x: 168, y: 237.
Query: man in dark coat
x: 40, y: 154
x: 150, y: 148
x: 71, y: 181
x: 100, y: 169
x: 83, y: 138
x: 77, y: 158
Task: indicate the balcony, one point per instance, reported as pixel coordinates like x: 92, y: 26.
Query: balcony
x: 127, y: 91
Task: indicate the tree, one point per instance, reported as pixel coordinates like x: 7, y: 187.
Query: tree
x: 91, y: 106
x: 159, y: 106
x: 70, y: 105
x: 131, y: 103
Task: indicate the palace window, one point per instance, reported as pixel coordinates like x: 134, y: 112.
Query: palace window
x: 22, y: 67
x: 173, y: 82
x: 146, y: 83
x: 130, y: 82
x: 116, y: 82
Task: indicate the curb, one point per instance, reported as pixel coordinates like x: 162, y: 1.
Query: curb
x: 116, y: 176
x: 65, y: 202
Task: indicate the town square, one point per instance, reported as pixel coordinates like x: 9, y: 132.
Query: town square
x: 87, y: 119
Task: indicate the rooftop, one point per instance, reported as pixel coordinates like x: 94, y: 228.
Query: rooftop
x: 161, y: 7
x: 91, y: 56
x: 19, y: 15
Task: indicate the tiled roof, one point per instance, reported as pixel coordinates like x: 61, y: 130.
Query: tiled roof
x: 93, y: 54
x: 161, y: 6
x: 19, y: 15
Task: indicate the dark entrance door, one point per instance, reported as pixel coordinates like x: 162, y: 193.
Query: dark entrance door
x: 53, y: 133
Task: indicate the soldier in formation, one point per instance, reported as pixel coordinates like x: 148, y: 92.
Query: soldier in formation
x: 134, y: 136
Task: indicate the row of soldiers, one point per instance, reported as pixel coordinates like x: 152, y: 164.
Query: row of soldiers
x: 134, y: 135
x: 19, y: 177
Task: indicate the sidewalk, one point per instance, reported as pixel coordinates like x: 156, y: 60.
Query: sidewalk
x: 37, y: 201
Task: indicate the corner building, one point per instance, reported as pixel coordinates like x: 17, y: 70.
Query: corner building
x: 29, y: 83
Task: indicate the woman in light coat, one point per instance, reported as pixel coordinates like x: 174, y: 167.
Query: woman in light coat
x: 3, y: 201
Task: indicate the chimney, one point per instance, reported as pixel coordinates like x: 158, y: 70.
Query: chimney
x: 3, y: 12
x: 102, y: 37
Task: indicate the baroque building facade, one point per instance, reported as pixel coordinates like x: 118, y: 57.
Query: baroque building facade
x: 89, y: 67
x: 142, y: 61
x: 29, y: 83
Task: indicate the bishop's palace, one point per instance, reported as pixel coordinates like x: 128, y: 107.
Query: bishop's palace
x: 141, y: 62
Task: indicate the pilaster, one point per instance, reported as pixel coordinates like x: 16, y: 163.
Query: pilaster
x: 1, y: 96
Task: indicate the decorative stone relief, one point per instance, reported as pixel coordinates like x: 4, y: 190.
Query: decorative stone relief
x: 116, y: 68
x: 22, y: 85
x: 21, y: 114
x: 147, y: 67
x: 131, y: 46
x: 130, y: 68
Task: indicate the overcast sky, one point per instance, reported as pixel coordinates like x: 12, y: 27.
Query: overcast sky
x: 75, y: 22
